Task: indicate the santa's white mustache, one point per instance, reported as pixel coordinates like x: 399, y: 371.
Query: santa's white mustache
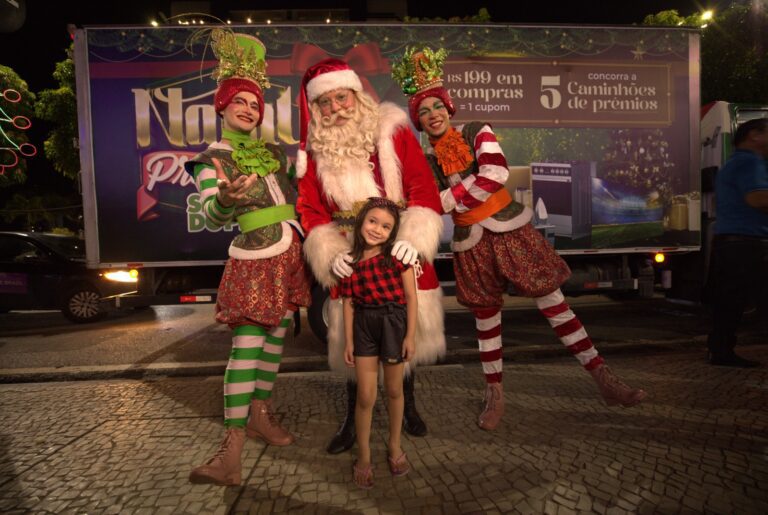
x: 343, y: 113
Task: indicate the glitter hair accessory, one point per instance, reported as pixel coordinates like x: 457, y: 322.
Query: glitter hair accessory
x: 420, y: 75
x: 242, y: 66
x: 240, y: 55
x: 419, y: 70
x: 383, y: 203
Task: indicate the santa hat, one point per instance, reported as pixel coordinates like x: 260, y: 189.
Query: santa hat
x: 325, y: 76
x: 420, y: 75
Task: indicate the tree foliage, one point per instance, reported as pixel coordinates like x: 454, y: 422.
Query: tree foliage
x: 482, y: 16
x: 734, y: 52
x: 13, y: 165
x: 673, y: 18
x: 59, y: 107
x: 44, y: 212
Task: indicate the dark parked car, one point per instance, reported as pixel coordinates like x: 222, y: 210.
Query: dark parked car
x: 47, y: 271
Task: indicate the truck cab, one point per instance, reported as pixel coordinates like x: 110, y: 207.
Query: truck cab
x: 685, y: 275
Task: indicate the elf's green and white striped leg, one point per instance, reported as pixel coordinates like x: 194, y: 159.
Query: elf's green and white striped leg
x: 269, y: 362
x: 241, y: 375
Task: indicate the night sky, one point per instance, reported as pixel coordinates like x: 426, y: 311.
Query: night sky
x: 45, y: 25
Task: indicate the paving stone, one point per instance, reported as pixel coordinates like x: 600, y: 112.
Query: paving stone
x: 131, y: 444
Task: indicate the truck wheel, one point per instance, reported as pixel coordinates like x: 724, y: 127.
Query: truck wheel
x: 317, y: 314
x: 81, y: 304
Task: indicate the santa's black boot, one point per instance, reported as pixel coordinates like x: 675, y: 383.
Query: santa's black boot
x: 344, y: 438
x: 412, y: 422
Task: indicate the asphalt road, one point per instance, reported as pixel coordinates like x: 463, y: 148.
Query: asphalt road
x: 185, y: 340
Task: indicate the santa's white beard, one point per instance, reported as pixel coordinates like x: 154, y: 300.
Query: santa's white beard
x: 350, y: 144
x: 342, y: 143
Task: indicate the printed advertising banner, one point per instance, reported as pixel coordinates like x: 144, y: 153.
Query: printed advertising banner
x: 595, y: 123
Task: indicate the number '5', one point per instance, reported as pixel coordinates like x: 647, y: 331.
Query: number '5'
x: 550, y: 96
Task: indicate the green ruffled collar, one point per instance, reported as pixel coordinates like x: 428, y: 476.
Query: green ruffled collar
x: 251, y: 155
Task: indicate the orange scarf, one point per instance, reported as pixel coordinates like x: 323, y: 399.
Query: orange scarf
x: 452, y: 152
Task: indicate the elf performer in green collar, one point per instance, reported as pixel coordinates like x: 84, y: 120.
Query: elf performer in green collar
x: 264, y: 282
x: 494, y: 243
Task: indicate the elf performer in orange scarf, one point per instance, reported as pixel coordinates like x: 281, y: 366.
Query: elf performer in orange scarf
x: 494, y: 243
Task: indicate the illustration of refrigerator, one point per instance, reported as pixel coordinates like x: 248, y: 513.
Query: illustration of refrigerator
x: 566, y: 191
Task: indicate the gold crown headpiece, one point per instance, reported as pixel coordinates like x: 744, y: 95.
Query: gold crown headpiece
x: 419, y: 70
x: 239, y: 55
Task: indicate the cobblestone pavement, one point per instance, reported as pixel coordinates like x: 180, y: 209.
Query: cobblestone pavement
x: 698, y: 445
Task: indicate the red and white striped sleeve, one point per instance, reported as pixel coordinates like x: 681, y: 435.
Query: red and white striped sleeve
x: 492, y: 172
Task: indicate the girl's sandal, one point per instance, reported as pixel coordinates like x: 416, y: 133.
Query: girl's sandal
x: 399, y: 466
x: 363, y: 476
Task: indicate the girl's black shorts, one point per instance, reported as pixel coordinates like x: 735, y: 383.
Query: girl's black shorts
x: 379, y: 330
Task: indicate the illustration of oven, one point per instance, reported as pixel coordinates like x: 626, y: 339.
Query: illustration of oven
x: 566, y: 191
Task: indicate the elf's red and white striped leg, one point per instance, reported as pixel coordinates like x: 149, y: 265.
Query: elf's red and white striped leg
x: 575, y: 338
x: 488, y: 324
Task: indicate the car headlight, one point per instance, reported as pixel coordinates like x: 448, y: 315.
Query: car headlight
x: 123, y: 276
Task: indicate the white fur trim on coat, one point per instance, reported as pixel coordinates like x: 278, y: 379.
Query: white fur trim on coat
x: 347, y: 184
x: 493, y: 225
x: 267, y: 252
x: 430, y: 332
x: 391, y: 119
x: 421, y: 227
x: 329, y: 81
x: 335, y: 338
x: 475, y: 234
x: 510, y: 225
x: 323, y: 243
x: 301, y: 163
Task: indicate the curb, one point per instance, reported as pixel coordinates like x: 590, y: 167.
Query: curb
x: 149, y: 371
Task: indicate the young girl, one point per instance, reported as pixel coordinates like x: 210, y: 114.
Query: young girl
x: 379, y: 326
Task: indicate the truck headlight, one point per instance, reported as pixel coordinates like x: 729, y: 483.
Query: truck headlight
x: 123, y: 276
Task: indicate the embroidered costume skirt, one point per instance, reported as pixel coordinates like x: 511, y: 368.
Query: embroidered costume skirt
x: 260, y: 291
x: 521, y: 257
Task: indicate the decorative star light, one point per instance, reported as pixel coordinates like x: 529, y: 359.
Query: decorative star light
x: 7, y: 145
x: 638, y: 52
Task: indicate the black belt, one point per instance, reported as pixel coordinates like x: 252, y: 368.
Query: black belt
x: 389, y: 307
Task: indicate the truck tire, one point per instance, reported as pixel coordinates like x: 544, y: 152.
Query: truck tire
x: 317, y: 314
x: 81, y: 304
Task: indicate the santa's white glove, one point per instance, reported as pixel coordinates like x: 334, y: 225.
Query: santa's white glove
x: 405, y: 252
x: 340, y: 265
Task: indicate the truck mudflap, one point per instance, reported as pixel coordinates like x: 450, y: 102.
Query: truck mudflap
x: 136, y: 301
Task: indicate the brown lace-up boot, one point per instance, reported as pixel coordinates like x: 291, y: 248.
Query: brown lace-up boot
x: 494, y: 407
x: 224, y: 468
x: 263, y: 424
x: 613, y: 390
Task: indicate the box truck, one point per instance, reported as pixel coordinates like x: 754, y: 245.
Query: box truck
x: 599, y: 126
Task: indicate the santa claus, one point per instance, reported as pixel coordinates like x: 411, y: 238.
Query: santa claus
x: 351, y: 149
